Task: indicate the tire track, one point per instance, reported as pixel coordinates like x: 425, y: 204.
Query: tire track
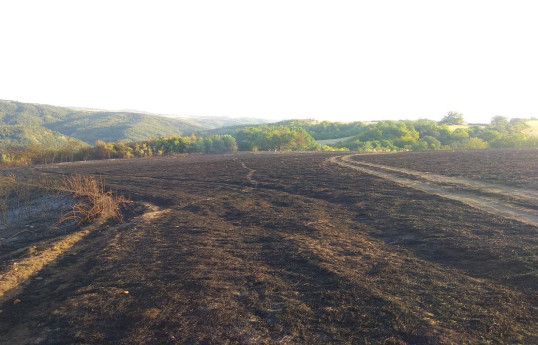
x: 431, y: 183
x: 490, y: 188
x: 250, y: 173
x: 21, y: 271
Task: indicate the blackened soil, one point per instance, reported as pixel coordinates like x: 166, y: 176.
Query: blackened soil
x: 300, y: 252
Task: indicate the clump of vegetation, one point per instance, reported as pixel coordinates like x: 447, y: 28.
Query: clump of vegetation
x: 330, y: 148
x: 35, y: 154
x: 17, y: 194
x: 83, y: 199
x: 94, y: 200
x: 5, y: 192
x: 275, y: 139
x: 452, y: 118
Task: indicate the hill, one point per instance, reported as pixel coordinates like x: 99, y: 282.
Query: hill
x: 112, y: 126
x: 92, y: 125
x: 17, y: 136
x: 213, y: 122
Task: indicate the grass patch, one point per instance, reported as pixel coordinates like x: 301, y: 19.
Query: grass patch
x: 26, y: 203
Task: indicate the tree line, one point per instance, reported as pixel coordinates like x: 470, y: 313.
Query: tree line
x: 36, y: 154
x: 433, y: 135
x: 295, y: 135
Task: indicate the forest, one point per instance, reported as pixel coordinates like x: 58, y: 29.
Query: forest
x: 451, y: 133
x: 432, y: 135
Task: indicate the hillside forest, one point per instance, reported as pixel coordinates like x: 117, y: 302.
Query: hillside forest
x: 57, y: 145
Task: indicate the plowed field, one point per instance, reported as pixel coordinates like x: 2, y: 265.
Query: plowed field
x: 295, y: 248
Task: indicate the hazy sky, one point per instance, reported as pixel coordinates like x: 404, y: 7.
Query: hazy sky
x: 336, y: 60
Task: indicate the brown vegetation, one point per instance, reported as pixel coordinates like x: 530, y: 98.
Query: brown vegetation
x: 94, y: 200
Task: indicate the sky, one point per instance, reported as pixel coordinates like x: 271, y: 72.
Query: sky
x: 326, y: 60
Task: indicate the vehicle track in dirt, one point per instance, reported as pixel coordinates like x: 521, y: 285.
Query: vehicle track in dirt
x: 250, y: 173
x: 22, y: 269
x: 490, y: 188
x: 492, y: 198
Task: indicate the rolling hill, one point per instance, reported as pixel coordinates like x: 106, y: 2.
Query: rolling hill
x: 90, y: 126
x: 41, y: 121
x: 24, y: 136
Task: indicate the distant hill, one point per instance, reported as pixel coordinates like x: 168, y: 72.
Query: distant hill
x: 90, y: 126
x: 111, y: 126
x: 213, y: 122
x: 38, y: 121
x: 208, y: 122
x: 24, y: 136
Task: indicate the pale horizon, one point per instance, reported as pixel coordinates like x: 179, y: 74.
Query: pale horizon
x: 339, y: 61
x: 269, y: 119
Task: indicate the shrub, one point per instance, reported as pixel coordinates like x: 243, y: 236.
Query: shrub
x: 94, y: 200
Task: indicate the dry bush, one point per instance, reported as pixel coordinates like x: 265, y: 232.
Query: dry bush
x: 6, y: 187
x: 94, y: 200
x: 34, y: 199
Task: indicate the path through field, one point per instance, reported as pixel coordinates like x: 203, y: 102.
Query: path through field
x: 493, y: 198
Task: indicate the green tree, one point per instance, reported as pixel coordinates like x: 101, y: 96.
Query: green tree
x: 469, y: 144
x: 452, y: 118
x: 432, y: 142
x: 500, y: 124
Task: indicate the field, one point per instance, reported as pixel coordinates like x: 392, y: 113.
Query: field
x: 288, y: 248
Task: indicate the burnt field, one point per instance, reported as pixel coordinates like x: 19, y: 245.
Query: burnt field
x: 510, y: 167
x: 291, y: 248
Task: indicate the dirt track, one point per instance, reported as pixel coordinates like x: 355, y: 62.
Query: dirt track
x: 496, y: 200
x: 279, y: 248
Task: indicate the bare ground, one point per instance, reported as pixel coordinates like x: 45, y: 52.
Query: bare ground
x: 279, y: 248
x: 488, y: 197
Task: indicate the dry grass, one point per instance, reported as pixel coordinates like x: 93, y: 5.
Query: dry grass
x: 6, y: 183
x: 94, y: 200
x: 28, y: 202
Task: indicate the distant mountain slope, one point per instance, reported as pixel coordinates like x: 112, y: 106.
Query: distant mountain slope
x: 16, y: 113
x: 212, y: 122
x: 90, y: 126
x: 17, y: 136
x: 112, y: 126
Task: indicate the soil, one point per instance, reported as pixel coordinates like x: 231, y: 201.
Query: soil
x: 510, y: 202
x: 513, y: 167
x: 288, y: 248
